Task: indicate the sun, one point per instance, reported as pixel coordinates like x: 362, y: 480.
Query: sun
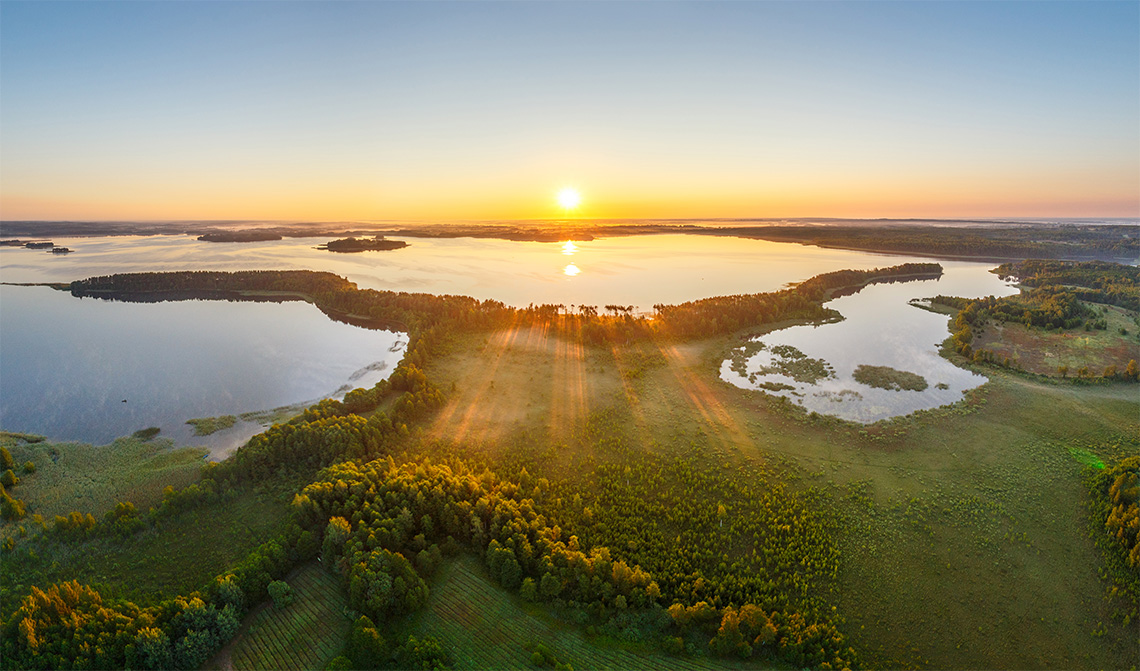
x: 569, y: 198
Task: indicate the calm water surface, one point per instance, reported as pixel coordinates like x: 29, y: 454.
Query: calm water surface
x: 66, y: 364
x: 637, y: 270
x: 879, y: 328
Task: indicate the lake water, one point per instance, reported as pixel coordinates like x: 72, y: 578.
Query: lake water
x: 879, y: 328
x: 637, y: 270
x: 66, y: 364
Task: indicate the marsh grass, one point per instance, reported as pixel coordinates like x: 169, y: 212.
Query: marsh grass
x: 93, y: 478
x: 885, y: 377
x: 205, y: 426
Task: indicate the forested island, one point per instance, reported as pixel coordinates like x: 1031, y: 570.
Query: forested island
x: 240, y: 236
x: 377, y: 243
x: 582, y: 463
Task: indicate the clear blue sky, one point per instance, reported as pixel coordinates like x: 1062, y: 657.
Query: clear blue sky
x: 161, y: 110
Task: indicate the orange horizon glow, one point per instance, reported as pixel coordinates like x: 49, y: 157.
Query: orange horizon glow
x: 347, y: 202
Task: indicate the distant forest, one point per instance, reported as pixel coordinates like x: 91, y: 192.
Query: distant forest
x: 982, y: 240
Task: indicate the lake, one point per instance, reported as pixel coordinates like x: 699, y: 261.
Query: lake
x: 636, y: 270
x: 67, y: 364
x: 880, y: 328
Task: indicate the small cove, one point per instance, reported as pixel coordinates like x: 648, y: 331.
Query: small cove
x: 814, y: 366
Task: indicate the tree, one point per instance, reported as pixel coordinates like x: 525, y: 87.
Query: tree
x: 550, y: 586
x: 1131, y: 372
x: 425, y: 653
x: 281, y: 593
x: 366, y: 647
x: 229, y: 593
x: 528, y: 591
x: 336, y: 533
x: 6, y: 460
x: 152, y: 649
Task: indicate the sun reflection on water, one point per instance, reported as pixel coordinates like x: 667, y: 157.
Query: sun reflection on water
x: 571, y: 270
x: 568, y: 248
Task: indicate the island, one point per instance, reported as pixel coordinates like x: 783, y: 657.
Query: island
x: 377, y: 243
x: 240, y: 236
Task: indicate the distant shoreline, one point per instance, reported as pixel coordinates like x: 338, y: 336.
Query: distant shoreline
x: 967, y: 239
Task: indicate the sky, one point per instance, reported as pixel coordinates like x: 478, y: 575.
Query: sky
x: 485, y: 110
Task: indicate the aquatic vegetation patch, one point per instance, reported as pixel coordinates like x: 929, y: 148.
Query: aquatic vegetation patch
x: 885, y: 377
x: 839, y: 396
x: 782, y: 360
x: 204, y: 426
x: 148, y: 433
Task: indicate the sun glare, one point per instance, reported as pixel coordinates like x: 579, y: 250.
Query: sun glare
x: 569, y: 198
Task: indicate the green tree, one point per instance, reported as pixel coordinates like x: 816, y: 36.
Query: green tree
x: 425, y: 653
x: 550, y: 586
x: 229, y: 593
x: 336, y: 533
x: 528, y: 591
x: 153, y: 650
x: 281, y: 593
x: 366, y: 647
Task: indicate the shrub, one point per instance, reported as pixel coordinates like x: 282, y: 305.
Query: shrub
x: 9, y: 478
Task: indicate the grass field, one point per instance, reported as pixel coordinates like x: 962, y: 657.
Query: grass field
x: 93, y: 478
x: 304, y: 635
x: 967, y: 544
x: 484, y: 627
x: 1039, y: 351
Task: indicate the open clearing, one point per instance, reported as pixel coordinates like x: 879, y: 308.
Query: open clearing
x: 1039, y: 351
x: 967, y: 543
